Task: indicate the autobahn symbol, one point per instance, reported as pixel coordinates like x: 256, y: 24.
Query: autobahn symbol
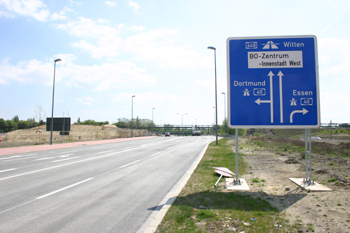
x: 281, y: 75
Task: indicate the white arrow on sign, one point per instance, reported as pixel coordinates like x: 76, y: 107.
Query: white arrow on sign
x: 280, y: 74
x: 259, y: 101
x: 304, y: 111
x: 271, y: 95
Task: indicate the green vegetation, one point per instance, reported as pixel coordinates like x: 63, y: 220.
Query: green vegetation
x: 290, y: 145
x: 203, y: 208
x: 332, y: 179
x: 92, y: 122
x: 16, y: 123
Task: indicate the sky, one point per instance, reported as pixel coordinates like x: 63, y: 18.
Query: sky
x: 157, y: 51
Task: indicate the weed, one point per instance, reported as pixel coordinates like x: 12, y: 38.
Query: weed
x: 332, y: 179
x: 203, y: 214
x: 331, y: 163
x: 339, y: 204
x: 310, y: 226
x: 255, y: 180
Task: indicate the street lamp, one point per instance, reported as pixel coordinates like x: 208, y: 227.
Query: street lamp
x: 53, y: 97
x: 225, y: 111
x: 132, y: 115
x: 214, y: 116
x: 182, y: 124
x: 216, y: 102
x: 152, y: 114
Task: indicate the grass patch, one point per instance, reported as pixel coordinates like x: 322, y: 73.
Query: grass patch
x: 290, y: 145
x: 202, y: 208
x: 332, y: 179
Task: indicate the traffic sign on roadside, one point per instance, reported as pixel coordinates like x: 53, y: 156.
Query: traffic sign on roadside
x: 273, y: 82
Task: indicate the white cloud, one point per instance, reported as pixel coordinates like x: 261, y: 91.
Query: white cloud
x: 158, y: 46
x: 30, y: 72
x: 105, y: 77
x: 85, y: 100
x: 32, y: 8
x: 137, y: 28
x: 56, y: 16
x: 61, y: 15
x: 110, y: 3
x: 334, y: 55
x: 134, y: 5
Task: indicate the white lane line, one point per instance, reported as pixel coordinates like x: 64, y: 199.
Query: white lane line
x: 62, y: 165
x: 105, y: 151
x: 12, y: 169
x: 60, y: 190
x: 60, y: 160
x: 17, y: 206
x: 65, y: 156
x: 9, y: 160
x: 46, y: 158
x: 155, y: 153
x: 130, y: 163
x: 70, y: 151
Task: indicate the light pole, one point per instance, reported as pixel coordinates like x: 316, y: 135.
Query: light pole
x: 152, y: 119
x: 182, y: 124
x: 216, y: 102
x: 53, y: 97
x: 132, y: 115
x: 214, y: 116
x: 225, y: 110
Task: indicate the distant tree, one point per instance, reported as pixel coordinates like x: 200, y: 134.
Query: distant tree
x: 2, y: 125
x: 40, y: 113
x: 23, y: 125
x: 15, y: 119
x: 78, y: 120
x: 32, y: 122
x: 12, y: 125
x: 241, y: 132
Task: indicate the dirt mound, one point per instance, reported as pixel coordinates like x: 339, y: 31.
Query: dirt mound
x: 77, y: 133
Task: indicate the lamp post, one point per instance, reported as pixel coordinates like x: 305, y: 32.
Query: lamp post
x: 132, y: 115
x: 53, y: 98
x: 152, y: 119
x: 216, y: 102
x: 182, y: 124
x: 214, y: 116
x: 225, y: 110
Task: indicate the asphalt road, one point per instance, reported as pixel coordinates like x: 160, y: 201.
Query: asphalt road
x: 111, y: 187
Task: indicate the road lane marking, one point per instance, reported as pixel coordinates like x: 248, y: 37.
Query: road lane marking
x: 60, y: 160
x: 12, y: 169
x: 62, y: 165
x: 25, y: 203
x: 62, y: 189
x: 155, y: 153
x: 46, y: 158
x: 105, y: 151
x: 130, y: 163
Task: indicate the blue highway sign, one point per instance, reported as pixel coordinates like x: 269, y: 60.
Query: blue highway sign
x: 273, y: 82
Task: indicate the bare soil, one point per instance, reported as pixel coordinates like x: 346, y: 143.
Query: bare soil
x: 268, y: 177
x: 39, y: 135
